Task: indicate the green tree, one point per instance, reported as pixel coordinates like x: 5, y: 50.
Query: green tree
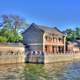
x: 69, y: 33
x: 10, y: 36
x: 13, y: 22
x: 3, y: 39
x: 6, y: 22
x: 11, y: 26
x: 72, y: 35
x: 78, y: 33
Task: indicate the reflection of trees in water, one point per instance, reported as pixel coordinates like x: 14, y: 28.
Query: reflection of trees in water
x: 11, y: 72
x: 33, y: 71
x: 43, y: 71
x: 55, y: 71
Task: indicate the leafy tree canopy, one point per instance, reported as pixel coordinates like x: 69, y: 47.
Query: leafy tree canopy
x: 11, y: 24
x: 10, y: 36
x: 73, y: 34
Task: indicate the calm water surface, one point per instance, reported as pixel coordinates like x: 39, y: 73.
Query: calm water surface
x: 55, y: 71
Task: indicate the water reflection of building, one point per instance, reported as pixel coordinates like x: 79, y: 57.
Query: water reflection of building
x: 41, y: 38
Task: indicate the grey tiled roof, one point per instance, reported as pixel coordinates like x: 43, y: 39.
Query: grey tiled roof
x: 48, y: 29
x: 75, y: 43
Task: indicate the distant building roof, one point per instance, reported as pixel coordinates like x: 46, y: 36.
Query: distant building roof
x: 47, y: 29
x: 75, y: 43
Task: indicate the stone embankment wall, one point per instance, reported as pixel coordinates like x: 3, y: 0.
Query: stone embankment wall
x: 11, y: 54
x: 50, y: 58
x: 61, y: 57
x: 34, y: 57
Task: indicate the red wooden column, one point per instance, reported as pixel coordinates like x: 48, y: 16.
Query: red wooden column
x: 55, y: 49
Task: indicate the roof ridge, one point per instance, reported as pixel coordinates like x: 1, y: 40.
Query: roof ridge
x: 53, y: 30
x: 46, y: 28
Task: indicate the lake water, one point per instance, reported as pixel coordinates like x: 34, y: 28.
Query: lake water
x: 54, y: 71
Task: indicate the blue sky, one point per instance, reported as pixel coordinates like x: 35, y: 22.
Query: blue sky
x: 60, y: 13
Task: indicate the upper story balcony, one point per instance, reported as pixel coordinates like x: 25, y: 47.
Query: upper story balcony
x: 53, y: 40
